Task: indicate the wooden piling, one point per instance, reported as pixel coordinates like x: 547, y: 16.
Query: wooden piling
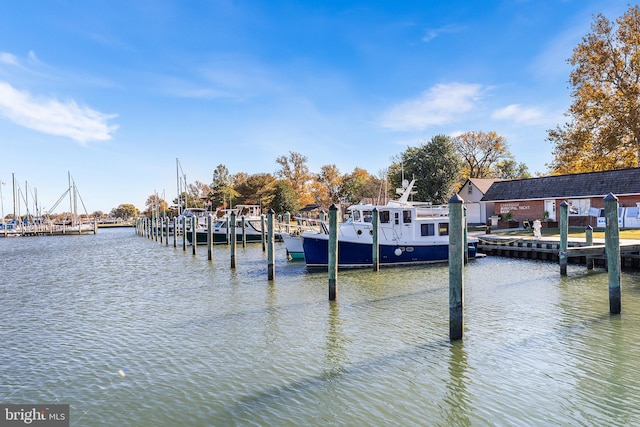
x: 270, y: 246
x: 375, y: 247
x: 612, y: 244
x: 184, y: 233
x: 333, y: 252
x: 194, y: 237
x: 244, y: 231
x: 589, y: 242
x: 564, y: 235
x: 456, y: 266
x: 263, y: 236
x: 232, y: 238
x: 175, y: 231
x: 167, y: 221
x: 228, y: 229
x: 210, y: 237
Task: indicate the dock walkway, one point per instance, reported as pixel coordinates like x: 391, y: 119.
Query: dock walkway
x: 547, y: 248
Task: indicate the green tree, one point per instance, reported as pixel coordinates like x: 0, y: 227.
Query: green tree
x: 509, y: 169
x: 603, y: 131
x: 258, y: 189
x: 285, y: 199
x: 435, y: 166
x: 221, y: 187
x: 357, y: 185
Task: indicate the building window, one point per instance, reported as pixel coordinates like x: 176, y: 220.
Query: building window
x: 470, y: 190
x: 579, y: 207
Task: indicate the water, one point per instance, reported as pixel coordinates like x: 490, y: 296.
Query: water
x: 202, y: 345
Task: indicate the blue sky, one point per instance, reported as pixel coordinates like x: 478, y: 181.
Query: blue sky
x: 114, y: 91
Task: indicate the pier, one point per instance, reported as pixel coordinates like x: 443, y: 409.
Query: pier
x: 548, y: 248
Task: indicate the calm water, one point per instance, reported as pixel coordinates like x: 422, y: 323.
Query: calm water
x: 201, y: 345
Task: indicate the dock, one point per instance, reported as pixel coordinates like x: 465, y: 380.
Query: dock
x: 547, y: 248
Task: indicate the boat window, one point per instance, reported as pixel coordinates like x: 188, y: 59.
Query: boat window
x: 397, y: 221
x: 384, y: 217
x: 632, y: 212
x: 427, y: 230
x: 355, y: 215
x: 406, y: 216
x: 367, y: 216
x: 443, y: 228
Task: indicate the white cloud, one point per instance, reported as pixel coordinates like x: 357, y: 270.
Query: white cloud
x: 520, y: 115
x: 442, y: 104
x: 51, y: 116
x: 8, y: 58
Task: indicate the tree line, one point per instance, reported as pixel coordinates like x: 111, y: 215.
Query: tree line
x: 438, y: 166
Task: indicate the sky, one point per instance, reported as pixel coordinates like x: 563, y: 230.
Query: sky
x: 116, y: 93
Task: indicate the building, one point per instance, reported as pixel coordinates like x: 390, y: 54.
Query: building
x: 472, y: 192
x: 540, y: 198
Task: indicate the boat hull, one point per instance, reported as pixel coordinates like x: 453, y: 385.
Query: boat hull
x: 358, y: 254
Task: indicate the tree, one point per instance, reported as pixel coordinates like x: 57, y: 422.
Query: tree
x: 435, y: 166
x: 603, y: 132
x: 285, y: 199
x: 357, y: 185
x: 256, y: 189
x: 294, y: 169
x: 481, y: 153
x: 126, y: 211
x: 509, y: 169
x: 221, y: 187
x: 326, y: 189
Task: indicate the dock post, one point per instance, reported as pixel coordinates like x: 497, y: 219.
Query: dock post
x: 564, y: 231
x: 466, y: 242
x: 244, y: 231
x: 175, y: 231
x: 228, y: 228
x: 210, y: 237
x: 287, y: 222
x: 262, y: 232
x: 232, y: 239
x: 184, y: 233
x: 612, y: 248
x: 166, y: 231
x: 194, y: 234
x: 589, y: 242
x: 375, y: 247
x: 270, y: 245
x: 456, y: 266
x: 333, y: 252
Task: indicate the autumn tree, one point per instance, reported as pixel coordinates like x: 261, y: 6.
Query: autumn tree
x: 294, y: 169
x: 481, y: 153
x: 603, y: 132
x: 359, y: 184
x: 510, y: 169
x: 435, y: 165
x: 127, y: 211
x: 326, y: 187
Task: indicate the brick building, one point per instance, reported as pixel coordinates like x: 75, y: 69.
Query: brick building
x: 540, y: 198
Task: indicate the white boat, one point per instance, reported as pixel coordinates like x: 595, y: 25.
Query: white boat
x: 251, y: 214
x: 292, y: 235
x: 408, y: 233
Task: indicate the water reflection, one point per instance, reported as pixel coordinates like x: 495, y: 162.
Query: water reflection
x: 336, y: 357
x: 456, y: 405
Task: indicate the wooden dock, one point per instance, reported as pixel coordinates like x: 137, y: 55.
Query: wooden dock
x: 547, y: 248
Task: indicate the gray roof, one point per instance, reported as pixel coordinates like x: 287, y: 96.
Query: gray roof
x: 592, y: 184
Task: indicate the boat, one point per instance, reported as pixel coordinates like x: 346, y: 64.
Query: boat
x: 252, y: 226
x: 408, y: 233
x: 292, y: 236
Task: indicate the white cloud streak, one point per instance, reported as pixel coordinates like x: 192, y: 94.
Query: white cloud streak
x: 520, y: 115
x: 53, y: 117
x: 442, y: 104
